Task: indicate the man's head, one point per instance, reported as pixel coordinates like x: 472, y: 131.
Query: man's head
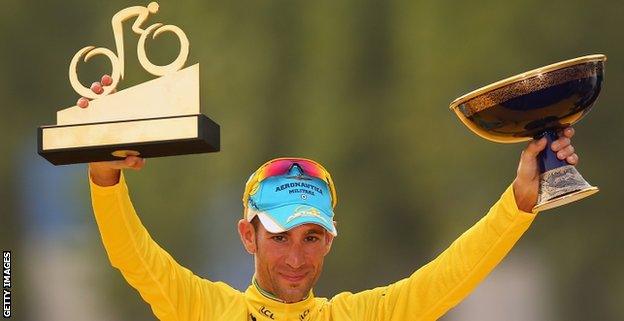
x: 288, y: 225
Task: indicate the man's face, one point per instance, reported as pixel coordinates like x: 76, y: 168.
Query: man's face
x: 288, y: 264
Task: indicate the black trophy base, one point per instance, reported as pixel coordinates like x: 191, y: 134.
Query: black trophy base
x: 156, y: 137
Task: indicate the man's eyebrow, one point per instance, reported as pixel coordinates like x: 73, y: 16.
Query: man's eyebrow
x: 312, y: 230
x: 318, y: 230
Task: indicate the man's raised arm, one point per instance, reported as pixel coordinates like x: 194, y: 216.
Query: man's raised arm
x: 440, y: 285
x: 173, y: 291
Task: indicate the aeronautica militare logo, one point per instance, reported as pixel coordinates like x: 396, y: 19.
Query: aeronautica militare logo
x: 302, y: 188
x: 292, y: 187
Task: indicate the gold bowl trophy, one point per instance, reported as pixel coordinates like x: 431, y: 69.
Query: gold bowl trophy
x: 160, y: 117
x: 536, y: 104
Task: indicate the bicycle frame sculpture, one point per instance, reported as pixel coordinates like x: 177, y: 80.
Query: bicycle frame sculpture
x: 160, y: 117
x: 117, y: 61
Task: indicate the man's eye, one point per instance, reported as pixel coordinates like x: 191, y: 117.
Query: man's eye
x: 312, y: 239
x: 279, y: 238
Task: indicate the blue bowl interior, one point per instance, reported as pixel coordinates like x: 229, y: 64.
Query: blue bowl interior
x: 526, y: 108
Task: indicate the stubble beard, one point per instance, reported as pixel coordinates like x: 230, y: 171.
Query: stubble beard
x: 292, y: 293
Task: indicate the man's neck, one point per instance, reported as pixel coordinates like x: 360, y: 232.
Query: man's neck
x: 266, y: 293
x: 271, y: 295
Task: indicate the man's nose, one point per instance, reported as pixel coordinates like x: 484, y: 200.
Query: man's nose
x: 295, y: 257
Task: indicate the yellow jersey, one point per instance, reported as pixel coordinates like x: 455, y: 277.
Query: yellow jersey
x: 175, y: 293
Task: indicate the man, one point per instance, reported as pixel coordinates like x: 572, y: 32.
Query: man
x: 288, y: 226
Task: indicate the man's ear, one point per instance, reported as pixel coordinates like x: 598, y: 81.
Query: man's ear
x: 248, y: 236
x: 329, y: 240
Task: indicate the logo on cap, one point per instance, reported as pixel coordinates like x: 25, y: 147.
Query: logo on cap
x: 306, y: 211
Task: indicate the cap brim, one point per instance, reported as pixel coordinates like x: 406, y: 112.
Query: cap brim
x: 286, y: 217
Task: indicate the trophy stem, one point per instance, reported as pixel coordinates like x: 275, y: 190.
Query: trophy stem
x: 560, y: 183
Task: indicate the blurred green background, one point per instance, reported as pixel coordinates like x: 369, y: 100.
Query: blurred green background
x: 361, y: 86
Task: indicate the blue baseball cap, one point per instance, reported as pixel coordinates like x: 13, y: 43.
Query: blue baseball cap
x: 287, y: 201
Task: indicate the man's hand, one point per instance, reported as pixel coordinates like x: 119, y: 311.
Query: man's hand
x: 107, y: 173
x: 526, y: 184
x: 96, y: 87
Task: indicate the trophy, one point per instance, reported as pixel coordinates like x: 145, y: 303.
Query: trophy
x: 160, y: 117
x: 536, y: 104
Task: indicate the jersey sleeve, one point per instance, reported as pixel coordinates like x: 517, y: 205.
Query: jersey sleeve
x: 173, y: 291
x: 441, y: 284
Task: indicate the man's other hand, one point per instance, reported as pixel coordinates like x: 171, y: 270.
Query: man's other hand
x: 526, y: 184
x: 107, y: 173
x: 96, y: 87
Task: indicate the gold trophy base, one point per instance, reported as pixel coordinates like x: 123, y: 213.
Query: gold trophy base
x: 565, y: 199
x: 561, y: 186
x: 155, y: 137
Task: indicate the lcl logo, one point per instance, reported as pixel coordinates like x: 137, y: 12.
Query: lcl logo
x: 267, y: 312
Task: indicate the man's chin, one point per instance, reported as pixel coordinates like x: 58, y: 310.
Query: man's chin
x: 294, y: 292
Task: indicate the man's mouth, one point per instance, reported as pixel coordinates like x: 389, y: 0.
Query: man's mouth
x: 293, y: 277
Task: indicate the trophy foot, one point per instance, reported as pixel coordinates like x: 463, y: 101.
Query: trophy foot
x: 123, y: 153
x: 562, y: 185
x: 106, y: 141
